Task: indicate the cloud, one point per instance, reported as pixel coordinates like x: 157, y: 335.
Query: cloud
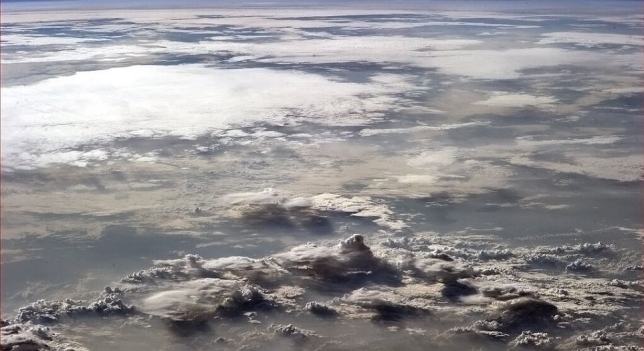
x: 40, y: 40
x: 402, y: 280
x: 19, y: 337
x: 620, y: 168
x: 370, y: 132
x: 358, y: 206
x: 596, y: 140
x: 588, y: 39
x: 378, y: 287
x: 294, y: 50
x: 281, y: 208
x: 488, y: 64
x: 203, y: 299
x: 626, y: 90
x: 500, y: 99
x: 417, y: 178
x: 43, y: 121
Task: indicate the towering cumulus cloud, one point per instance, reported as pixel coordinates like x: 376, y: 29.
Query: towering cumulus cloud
x: 439, y: 288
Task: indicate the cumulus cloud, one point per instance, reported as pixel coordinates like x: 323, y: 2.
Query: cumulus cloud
x: 203, y: 299
x: 358, y: 206
x: 394, y: 281
x: 311, y: 212
x: 21, y: 337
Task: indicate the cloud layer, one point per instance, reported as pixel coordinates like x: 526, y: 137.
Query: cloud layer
x: 44, y: 121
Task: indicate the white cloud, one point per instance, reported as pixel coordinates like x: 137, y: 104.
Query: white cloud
x: 507, y: 64
x: 417, y: 178
x: 358, y: 206
x: 32, y: 40
x: 370, y: 132
x: 501, y: 99
x: 591, y: 39
x: 118, y: 52
x: 596, y: 140
x: 434, y: 159
x: 620, y: 168
x: 457, y: 56
x: 626, y: 90
x: 184, y: 101
x: 290, y: 49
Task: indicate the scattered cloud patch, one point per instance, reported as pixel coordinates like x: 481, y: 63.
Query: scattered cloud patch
x: 500, y: 99
x: 589, y: 40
